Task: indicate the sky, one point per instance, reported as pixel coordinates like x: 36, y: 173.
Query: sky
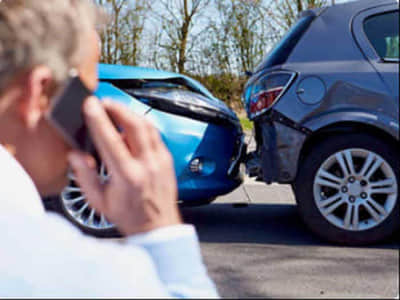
x: 152, y: 29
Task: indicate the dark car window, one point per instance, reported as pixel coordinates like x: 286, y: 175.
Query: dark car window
x: 383, y: 32
x: 281, y: 52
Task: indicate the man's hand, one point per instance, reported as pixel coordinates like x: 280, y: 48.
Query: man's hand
x: 142, y: 193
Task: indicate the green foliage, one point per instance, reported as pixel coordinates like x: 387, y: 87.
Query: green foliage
x: 226, y: 87
x: 246, y: 124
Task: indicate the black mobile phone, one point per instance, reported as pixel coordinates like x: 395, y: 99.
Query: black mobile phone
x: 66, y: 114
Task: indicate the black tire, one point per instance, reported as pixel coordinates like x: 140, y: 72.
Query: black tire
x: 58, y: 207
x: 303, y: 188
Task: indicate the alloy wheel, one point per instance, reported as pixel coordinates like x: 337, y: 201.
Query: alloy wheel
x: 355, y: 189
x: 74, y: 202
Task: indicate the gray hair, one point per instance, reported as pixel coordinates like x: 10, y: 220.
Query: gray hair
x: 43, y: 32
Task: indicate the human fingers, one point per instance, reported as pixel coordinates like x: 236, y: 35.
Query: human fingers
x: 155, y: 136
x: 107, y: 139
x: 137, y: 132
x: 87, y: 178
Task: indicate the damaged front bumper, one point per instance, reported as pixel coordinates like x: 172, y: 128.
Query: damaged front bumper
x: 279, y: 143
x: 236, y: 169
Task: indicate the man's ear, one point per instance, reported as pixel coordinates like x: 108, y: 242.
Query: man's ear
x: 34, y: 98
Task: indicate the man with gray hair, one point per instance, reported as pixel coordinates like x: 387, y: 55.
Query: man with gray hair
x: 42, y: 255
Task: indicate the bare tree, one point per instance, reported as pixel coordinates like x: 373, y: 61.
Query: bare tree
x: 122, y: 36
x: 248, y: 33
x: 282, y: 14
x: 213, y: 40
x: 238, y: 35
x: 178, y: 18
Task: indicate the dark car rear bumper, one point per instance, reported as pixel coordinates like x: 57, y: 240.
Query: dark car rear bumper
x: 279, y: 144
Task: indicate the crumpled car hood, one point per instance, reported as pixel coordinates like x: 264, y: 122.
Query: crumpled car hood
x: 118, y: 72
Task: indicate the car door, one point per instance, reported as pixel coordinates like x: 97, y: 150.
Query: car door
x: 377, y: 32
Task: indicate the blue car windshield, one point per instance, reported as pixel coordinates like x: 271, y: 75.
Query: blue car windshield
x: 281, y: 52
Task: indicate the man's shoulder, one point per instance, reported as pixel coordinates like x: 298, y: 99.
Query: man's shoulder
x: 18, y: 192
x: 40, y: 252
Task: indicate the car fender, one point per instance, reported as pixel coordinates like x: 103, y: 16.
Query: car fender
x: 107, y: 90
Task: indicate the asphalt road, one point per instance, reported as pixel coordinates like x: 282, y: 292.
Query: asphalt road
x: 264, y: 250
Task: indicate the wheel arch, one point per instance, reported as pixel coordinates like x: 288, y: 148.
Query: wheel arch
x: 344, y: 128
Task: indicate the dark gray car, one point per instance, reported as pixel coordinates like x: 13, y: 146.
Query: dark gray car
x: 325, y: 103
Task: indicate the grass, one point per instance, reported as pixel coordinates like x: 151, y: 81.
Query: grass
x: 246, y: 124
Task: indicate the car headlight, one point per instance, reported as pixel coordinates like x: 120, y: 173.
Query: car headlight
x: 184, y: 102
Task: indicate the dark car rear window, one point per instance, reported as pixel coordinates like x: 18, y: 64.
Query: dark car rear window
x: 383, y: 32
x: 281, y: 52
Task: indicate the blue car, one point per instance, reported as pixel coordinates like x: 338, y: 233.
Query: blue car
x: 204, y: 136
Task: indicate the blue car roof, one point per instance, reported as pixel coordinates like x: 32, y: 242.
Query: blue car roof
x: 119, y: 72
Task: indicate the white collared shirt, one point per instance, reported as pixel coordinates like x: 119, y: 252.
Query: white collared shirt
x: 43, y: 255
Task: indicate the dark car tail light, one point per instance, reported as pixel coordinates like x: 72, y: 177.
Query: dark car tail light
x: 267, y: 90
x: 265, y: 99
